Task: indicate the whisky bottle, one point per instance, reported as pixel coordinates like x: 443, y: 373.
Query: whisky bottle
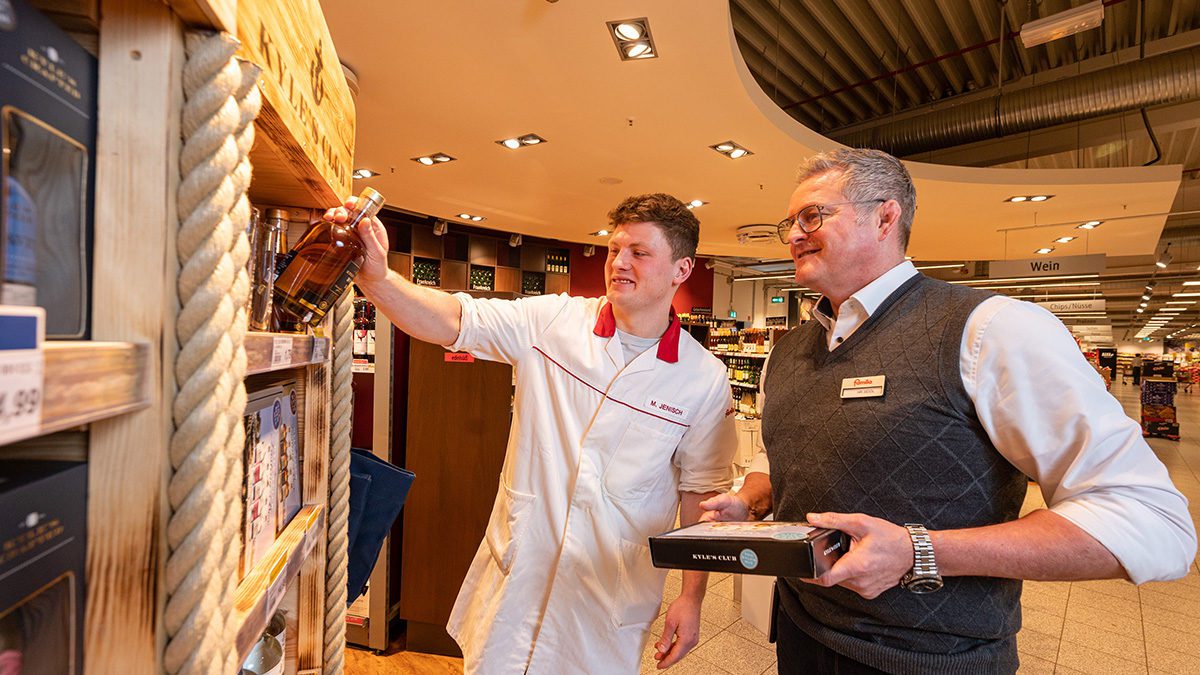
x: 323, y: 263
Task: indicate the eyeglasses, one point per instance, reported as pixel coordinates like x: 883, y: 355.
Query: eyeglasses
x: 810, y: 218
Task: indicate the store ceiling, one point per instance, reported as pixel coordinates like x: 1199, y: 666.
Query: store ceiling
x: 456, y: 77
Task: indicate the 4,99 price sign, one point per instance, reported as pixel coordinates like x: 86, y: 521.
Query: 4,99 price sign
x: 20, y: 394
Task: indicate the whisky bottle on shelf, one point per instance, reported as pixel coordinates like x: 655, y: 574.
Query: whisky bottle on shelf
x: 323, y: 263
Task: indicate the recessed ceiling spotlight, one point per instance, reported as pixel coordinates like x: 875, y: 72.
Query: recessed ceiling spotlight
x: 1040, y: 198
x: 629, y: 31
x: 1090, y: 225
x: 696, y: 203
x: 731, y: 150
x: 600, y: 233
x: 521, y: 141
x: 468, y: 216
x: 633, y: 39
x: 435, y: 158
x: 1017, y: 198
x: 1028, y: 198
x: 1044, y: 250
x: 1064, y: 240
x: 1140, y: 310
x: 364, y: 173
x: 1141, y: 304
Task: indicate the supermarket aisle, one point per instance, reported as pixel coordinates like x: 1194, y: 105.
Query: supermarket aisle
x: 1098, y: 627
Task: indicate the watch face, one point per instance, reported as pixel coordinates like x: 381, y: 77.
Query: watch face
x: 924, y: 585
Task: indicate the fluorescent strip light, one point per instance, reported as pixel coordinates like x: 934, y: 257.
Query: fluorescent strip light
x: 1069, y: 284
x: 1047, y: 296
x: 1191, y: 283
x: 766, y: 277
x: 938, y: 267
x: 1009, y: 280
x: 1185, y: 295
x: 1181, y: 302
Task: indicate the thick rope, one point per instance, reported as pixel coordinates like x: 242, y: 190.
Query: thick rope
x: 206, y: 447
x: 249, y: 102
x: 339, y: 486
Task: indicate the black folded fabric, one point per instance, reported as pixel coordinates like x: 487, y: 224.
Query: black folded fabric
x: 377, y: 493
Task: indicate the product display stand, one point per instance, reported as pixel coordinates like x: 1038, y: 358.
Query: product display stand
x: 1158, y: 407
x: 161, y: 384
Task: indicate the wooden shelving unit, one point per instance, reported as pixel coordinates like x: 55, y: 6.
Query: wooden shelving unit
x: 123, y: 384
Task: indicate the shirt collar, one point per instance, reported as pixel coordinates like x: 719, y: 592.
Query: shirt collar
x: 668, y: 344
x: 871, y: 296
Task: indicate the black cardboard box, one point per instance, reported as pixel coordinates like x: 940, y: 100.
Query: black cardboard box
x: 43, y: 547
x: 765, y: 547
x: 47, y: 170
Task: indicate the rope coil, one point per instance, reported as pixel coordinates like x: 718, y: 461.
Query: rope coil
x: 339, y: 486
x: 206, y: 447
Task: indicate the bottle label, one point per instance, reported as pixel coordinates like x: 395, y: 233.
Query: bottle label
x: 282, y: 263
x: 338, y: 287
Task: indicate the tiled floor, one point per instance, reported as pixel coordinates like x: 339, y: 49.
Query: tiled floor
x: 1095, y: 627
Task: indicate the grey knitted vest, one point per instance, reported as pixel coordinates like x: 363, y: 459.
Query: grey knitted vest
x: 918, y: 454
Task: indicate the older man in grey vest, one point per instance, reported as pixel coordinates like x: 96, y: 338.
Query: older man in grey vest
x: 969, y: 393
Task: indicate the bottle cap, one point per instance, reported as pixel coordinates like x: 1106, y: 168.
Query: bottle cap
x: 277, y: 214
x: 371, y: 195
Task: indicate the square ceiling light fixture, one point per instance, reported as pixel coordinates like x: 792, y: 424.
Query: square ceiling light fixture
x: 731, y: 150
x: 517, y: 142
x: 633, y: 40
x: 1062, y: 24
x: 435, y: 158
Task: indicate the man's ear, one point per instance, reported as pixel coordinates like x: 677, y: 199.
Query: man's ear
x: 683, y: 270
x: 889, y: 219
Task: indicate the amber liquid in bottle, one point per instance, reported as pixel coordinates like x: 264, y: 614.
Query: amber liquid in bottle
x: 319, y: 269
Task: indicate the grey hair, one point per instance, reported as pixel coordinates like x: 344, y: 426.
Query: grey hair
x: 866, y: 175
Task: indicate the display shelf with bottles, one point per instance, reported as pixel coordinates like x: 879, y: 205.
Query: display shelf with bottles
x: 301, y: 158
x: 364, y: 336
x: 558, y: 260
x: 481, y: 278
x: 427, y: 272
x: 533, y: 283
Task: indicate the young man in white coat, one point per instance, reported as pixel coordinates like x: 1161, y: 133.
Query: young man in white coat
x: 621, y: 421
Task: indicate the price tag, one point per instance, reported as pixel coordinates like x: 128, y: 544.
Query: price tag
x: 318, y: 350
x: 459, y: 357
x: 281, y: 351
x: 21, y: 381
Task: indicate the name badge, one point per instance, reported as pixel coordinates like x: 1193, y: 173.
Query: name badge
x: 863, y: 387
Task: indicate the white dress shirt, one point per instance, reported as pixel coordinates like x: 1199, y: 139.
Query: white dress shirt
x: 1047, y: 411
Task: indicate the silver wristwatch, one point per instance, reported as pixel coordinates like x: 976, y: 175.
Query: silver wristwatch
x: 923, y: 577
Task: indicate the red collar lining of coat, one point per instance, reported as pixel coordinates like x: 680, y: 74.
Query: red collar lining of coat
x: 668, y: 344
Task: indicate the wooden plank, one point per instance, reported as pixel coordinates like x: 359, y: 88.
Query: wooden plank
x: 266, y: 352
x: 90, y: 381
x: 483, y: 251
x: 214, y: 14
x: 454, y: 275
x: 508, y: 279
x: 557, y: 283
x: 317, y: 406
x: 307, y: 118
x: 264, y: 588
x: 137, y: 171
x: 401, y: 263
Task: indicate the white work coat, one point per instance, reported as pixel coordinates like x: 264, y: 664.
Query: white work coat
x: 597, y: 455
